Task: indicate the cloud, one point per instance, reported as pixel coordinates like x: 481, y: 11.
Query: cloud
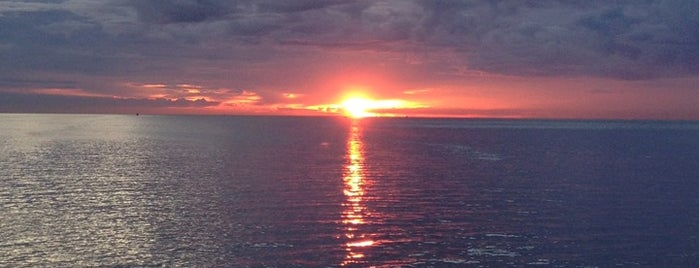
x: 34, y: 83
x: 18, y: 102
x: 270, y: 47
x: 182, y: 11
x: 55, y: 40
x: 627, y: 40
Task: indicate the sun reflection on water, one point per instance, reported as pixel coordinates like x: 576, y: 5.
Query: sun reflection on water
x: 355, y: 210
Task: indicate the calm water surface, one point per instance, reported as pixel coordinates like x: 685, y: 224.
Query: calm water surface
x: 207, y: 191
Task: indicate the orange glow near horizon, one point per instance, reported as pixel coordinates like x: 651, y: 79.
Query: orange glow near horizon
x: 358, y: 92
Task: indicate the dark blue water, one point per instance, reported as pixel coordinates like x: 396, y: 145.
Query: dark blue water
x: 206, y: 191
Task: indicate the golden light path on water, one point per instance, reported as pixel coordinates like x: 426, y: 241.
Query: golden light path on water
x: 355, y: 210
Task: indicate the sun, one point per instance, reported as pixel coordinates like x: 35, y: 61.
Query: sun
x: 357, y: 107
x: 360, y: 107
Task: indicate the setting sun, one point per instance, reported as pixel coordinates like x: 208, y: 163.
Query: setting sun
x: 357, y: 107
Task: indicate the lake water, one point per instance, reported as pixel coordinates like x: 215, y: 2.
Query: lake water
x: 216, y: 191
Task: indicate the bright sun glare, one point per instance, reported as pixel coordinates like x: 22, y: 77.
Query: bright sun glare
x: 357, y: 107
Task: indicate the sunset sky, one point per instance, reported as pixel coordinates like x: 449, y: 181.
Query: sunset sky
x: 531, y: 59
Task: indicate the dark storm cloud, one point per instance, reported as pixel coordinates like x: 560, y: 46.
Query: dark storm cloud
x: 182, y: 11
x: 192, y: 11
x: 241, y: 42
x: 623, y: 39
x: 53, y: 40
x: 620, y: 39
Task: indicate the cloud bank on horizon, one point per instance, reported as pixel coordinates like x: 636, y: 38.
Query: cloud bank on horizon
x: 529, y: 58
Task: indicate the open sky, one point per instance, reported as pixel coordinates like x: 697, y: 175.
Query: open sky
x: 636, y: 59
